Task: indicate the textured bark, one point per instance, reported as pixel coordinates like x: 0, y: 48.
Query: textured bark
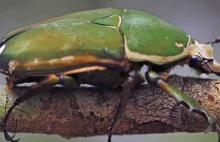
x: 89, y: 111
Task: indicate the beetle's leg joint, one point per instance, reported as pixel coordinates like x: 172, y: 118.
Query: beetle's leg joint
x: 152, y: 77
x: 68, y: 81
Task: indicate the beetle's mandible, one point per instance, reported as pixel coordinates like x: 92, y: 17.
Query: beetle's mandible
x: 111, y: 42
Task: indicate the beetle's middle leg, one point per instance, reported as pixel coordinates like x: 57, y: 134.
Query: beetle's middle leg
x: 134, y: 78
x: 156, y: 79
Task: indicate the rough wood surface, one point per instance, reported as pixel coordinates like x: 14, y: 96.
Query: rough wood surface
x: 89, y: 111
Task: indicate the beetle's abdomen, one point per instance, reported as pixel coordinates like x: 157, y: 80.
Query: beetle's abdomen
x: 64, y: 45
x: 149, y: 38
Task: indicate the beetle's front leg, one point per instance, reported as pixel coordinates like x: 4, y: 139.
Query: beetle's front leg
x: 155, y: 79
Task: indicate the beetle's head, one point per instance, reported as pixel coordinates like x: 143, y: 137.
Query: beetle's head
x: 202, y: 57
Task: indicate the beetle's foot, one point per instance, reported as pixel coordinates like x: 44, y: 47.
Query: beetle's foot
x: 209, y: 129
x: 10, y: 138
x: 212, y: 124
x: 109, y: 134
x: 217, y: 129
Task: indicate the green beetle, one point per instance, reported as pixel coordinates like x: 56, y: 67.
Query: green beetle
x: 105, y: 48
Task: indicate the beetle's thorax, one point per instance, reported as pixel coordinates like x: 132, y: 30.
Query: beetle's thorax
x: 200, y: 49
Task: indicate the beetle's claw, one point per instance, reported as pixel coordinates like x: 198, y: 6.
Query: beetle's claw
x: 208, y: 129
x: 109, y: 134
x: 217, y: 129
x: 10, y: 138
x: 212, y: 125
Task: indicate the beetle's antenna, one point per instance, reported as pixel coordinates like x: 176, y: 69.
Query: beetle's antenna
x: 216, y: 40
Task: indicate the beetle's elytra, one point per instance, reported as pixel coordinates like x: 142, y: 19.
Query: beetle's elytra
x: 104, y: 47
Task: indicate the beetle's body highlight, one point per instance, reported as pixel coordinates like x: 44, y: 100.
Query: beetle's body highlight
x: 104, y: 47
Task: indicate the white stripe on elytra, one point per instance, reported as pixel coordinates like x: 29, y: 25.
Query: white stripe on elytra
x: 2, y: 48
x: 119, y: 21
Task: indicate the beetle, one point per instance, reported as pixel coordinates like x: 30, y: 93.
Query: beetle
x: 104, y: 47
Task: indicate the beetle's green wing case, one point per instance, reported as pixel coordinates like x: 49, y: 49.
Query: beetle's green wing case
x: 149, y: 35
x: 72, y: 40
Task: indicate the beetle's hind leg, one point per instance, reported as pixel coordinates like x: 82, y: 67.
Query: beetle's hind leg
x: 48, y: 82
x: 155, y: 79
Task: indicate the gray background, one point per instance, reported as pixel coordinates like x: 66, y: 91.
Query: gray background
x: 200, y: 18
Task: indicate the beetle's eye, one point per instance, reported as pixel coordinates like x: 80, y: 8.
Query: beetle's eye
x: 195, y: 61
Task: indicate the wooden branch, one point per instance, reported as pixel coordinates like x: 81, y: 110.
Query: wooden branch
x: 89, y: 111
